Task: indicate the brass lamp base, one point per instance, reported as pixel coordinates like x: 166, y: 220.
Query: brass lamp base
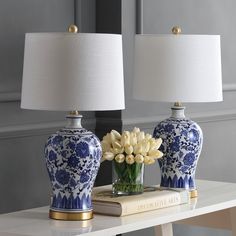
x: 70, y: 216
x: 193, y: 193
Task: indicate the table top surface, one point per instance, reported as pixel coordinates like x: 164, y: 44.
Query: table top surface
x: 213, y: 196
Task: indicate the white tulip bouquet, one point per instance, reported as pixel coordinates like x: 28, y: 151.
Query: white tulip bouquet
x: 129, y: 152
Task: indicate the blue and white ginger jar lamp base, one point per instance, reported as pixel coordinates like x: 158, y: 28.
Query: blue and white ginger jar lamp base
x: 72, y: 158
x: 182, y: 144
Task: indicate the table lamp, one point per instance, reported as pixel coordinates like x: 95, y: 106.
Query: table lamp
x: 178, y: 68
x: 74, y: 72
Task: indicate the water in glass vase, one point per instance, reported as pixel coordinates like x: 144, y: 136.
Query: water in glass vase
x: 127, y: 178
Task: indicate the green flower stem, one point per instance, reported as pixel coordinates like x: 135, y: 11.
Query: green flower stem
x: 129, y: 178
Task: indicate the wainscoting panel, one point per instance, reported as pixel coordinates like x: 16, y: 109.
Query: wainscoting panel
x: 23, y: 178
x: 19, y: 17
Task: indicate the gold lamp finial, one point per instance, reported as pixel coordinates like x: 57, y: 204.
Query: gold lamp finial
x: 73, y: 29
x: 178, y: 104
x: 176, y: 30
x: 74, y: 113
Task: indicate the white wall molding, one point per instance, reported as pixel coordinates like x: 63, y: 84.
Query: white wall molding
x: 15, y: 96
x: 10, y: 96
x: 37, y: 129
x: 201, y: 117
x: 24, y: 130
x: 229, y: 87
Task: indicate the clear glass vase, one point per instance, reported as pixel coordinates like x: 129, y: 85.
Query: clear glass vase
x: 127, y: 178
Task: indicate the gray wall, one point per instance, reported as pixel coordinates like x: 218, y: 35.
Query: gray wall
x: 218, y: 120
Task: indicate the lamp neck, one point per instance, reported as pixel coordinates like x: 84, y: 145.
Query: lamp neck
x: 73, y: 121
x: 177, y: 111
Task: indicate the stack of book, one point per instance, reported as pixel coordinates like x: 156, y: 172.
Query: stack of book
x: 153, y: 198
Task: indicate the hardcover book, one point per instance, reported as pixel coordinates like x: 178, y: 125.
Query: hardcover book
x: 153, y: 198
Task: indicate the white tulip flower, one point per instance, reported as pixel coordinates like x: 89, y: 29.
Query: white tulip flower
x: 140, y: 136
x: 138, y: 149
x: 108, y: 156
x: 113, y: 137
x: 117, y: 150
x: 148, y: 136
x: 136, y: 130
x: 158, y: 143
x: 125, y: 138
x: 133, y: 139
x: 148, y: 160
x: 107, y: 138
x: 135, y: 146
x: 145, y: 145
x: 139, y: 158
x: 116, y: 144
x: 106, y: 147
x: 153, y: 144
x: 129, y: 149
x: 129, y: 159
x: 116, y: 134
x: 155, y: 154
x: 120, y: 158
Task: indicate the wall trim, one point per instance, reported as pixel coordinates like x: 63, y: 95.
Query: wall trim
x: 10, y: 96
x: 38, y: 129
x: 201, y: 117
x: 25, y: 130
x: 16, y: 96
x: 229, y: 87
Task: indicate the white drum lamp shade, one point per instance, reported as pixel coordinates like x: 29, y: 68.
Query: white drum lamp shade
x: 171, y: 68
x: 66, y: 71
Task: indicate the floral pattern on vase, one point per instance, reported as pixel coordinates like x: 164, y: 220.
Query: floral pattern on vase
x: 182, y: 144
x: 72, y: 160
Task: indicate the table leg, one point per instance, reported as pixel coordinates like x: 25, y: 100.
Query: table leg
x: 164, y: 230
x: 233, y: 220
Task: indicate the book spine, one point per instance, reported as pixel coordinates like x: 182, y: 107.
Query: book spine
x: 143, y: 205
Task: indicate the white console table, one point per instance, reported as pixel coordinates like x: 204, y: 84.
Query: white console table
x: 215, y: 207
